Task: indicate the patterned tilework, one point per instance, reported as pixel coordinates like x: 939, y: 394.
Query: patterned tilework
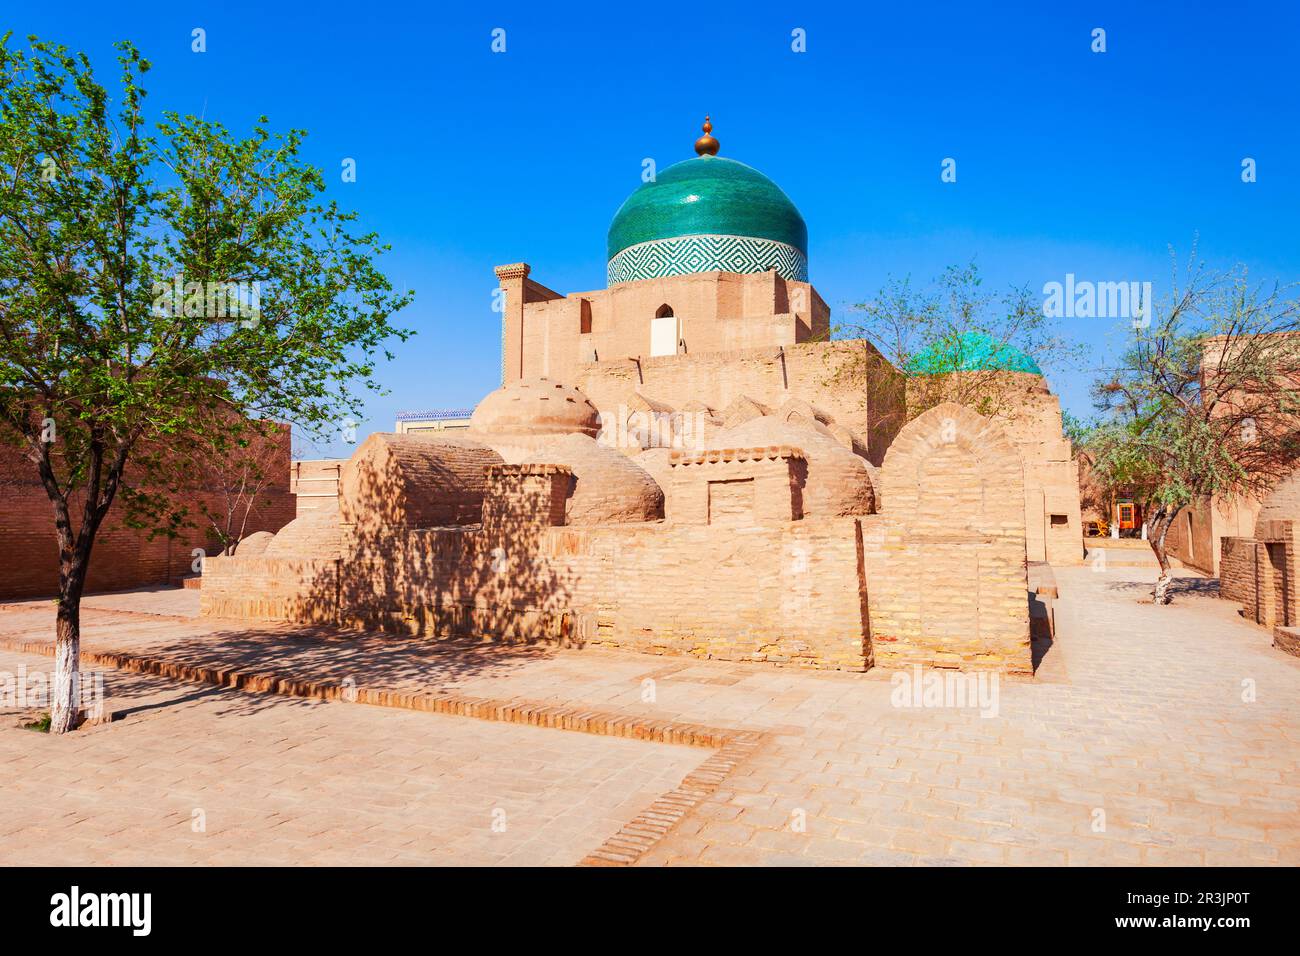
x: 690, y: 254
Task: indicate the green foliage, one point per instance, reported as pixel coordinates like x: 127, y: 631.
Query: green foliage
x: 1200, y: 403
x: 282, y: 313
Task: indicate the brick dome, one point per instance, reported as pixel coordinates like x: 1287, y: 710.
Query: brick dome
x: 607, y: 485
x: 656, y: 462
x: 254, y: 544
x: 415, y: 481
x: 536, y: 406
x: 838, y: 483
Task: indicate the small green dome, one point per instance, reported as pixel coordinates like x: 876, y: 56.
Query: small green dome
x: 707, y: 214
x: 971, y: 352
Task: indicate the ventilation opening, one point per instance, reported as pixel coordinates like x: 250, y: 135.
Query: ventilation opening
x: 1060, y: 521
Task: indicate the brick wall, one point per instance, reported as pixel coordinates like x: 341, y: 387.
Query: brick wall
x: 258, y: 588
x: 946, y: 570
x: 122, y: 557
x: 789, y: 593
x: 1237, y: 572
x: 1261, y: 573
x: 526, y: 496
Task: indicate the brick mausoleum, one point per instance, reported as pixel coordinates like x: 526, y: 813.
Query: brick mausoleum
x: 669, y: 467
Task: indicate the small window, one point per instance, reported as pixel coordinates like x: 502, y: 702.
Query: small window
x: 1060, y: 521
x: 664, y: 311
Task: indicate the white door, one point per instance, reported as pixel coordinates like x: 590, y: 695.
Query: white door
x: 663, y: 336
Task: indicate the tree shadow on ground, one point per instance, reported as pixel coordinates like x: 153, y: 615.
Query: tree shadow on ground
x: 1178, y: 587
x: 331, y: 655
x: 129, y: 694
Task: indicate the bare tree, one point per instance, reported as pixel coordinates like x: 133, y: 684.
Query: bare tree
x: 236, y: 479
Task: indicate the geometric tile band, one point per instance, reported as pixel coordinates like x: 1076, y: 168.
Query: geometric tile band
x: 684, y: 255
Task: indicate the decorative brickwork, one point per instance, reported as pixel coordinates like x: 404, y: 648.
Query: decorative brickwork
x: 689, y: 254
x: 737, y: 485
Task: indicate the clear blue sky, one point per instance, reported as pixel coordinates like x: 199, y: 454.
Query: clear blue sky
x: 1068, y: 161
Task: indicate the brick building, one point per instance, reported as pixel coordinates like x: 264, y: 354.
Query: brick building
x: 669, y: 467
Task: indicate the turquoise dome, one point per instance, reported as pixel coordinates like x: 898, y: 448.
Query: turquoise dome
x: 971, y: 352
x: 703, y: 215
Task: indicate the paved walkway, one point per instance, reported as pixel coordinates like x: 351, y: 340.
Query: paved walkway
x: 194, y: 774
x: 1152, y: 735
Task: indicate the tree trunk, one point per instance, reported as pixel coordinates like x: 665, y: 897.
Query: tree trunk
x: 74, y: 563
x: 65, y: 698
x: 1156, y: 538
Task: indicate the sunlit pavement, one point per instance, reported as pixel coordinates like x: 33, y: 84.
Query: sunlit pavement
x: 1151, y: 736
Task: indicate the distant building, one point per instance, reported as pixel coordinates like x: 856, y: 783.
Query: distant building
x: 437, y: 420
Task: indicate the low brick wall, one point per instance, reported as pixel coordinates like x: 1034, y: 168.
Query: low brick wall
x: 271, y: 589
x: 1237, y: 571
x: 781, y: 593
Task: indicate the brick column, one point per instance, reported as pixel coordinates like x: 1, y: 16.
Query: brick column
x: 511, y: 279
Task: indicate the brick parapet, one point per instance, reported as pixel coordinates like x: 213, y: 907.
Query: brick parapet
x: 716, y: 455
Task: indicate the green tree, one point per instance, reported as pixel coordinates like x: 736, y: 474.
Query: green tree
x: 1201, y: 406
x: 950, y: 341
x: 164, y: 287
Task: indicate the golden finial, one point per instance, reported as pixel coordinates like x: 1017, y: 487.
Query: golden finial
x: 706, y: 143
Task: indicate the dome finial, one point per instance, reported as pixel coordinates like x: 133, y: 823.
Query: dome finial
x: 706, y: 144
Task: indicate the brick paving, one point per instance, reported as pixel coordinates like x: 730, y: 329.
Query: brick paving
x: 283, y: 781
x: 1136, y: 743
